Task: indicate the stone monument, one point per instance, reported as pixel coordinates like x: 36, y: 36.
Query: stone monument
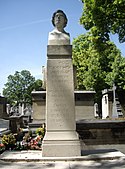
x: 61, y: 139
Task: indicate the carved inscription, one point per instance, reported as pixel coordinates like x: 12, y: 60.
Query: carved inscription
x: 60, y: 99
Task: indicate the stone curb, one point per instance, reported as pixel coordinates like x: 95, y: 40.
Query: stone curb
x: 31, y: 156
x: 60, y: 160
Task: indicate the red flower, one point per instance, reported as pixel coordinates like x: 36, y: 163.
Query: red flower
x: 2, y: 145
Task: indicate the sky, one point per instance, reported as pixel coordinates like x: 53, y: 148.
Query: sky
x: 24, y: 28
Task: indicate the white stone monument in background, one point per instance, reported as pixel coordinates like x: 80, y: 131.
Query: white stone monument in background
x: 61, y: 139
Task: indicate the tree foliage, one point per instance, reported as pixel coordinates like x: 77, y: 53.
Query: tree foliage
x: 38, y: 85
x: 97, y: 67
x: 103, y: 17
x: 19, y: 87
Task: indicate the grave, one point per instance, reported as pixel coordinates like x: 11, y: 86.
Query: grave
x: 4, y: 127
x: 3, y: 113
x: 109, y: 106
x: 61, y: 139
x: 4, y: 124
x: 19, y: 116
x: 39, y: 105
x: 84, y: 105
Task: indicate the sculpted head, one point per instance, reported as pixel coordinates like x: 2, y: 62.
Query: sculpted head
x: 58, y: 36
x: 59, y: 17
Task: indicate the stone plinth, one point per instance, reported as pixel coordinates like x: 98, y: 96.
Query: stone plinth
x: 61, y: 139
x: 38, y: 98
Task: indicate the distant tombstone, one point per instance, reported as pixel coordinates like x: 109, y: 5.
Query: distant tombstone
x: 38, y: 99
x: 8, y: 108
x: 20, y: 109
x: 96, y: 110
x: 4, y: 123
x: 3, y: 113
x: 105, y: 104
x: 44, y: 77
x: 4, y: 127
x: 61, y: 139
x: 114, y: 109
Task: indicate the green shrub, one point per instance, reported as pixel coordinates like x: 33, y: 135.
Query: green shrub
x: 40, y: 131
x: 9, y: 140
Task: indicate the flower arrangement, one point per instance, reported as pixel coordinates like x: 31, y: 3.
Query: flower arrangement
x: 9, y: 140
x: 26, y: 141
x: 21, y: 141
x: 35, y: 144
x: 2, y: 147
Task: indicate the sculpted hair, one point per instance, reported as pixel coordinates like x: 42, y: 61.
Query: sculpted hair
x: 59, y: 11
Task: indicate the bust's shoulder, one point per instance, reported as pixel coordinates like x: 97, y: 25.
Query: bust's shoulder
x: 56, y: 32
x: 67, y: 33
x: 58, y: 38
x: 53, y: 32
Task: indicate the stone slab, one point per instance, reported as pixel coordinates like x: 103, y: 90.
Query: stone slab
x: 3, y: 129
x: 57, y: 50
x: 100, y: 124
x: 4, y: 123
x: 60, y: 148
x: 34, y: 155
x: 60, y: 95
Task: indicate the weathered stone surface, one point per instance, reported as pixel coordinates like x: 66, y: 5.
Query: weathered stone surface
x: 58, y: 51
x: 4, y: 127
x: 58, y: 38
x: 101, y: 132
x: 39, y: 108
x: 84, y: 104
x: 61, y: 138
x: 3, y: 102
x: 4, y: 123
x: 60, y: 95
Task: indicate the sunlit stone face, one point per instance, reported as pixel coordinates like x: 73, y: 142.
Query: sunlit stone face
x: 59, y: 20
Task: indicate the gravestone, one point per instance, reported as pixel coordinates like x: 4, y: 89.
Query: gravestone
x: 114, y: 110
x: 3, y: 113
x: 61, y: 139
x: 4, y: 127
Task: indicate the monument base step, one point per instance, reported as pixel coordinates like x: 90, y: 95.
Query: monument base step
x: 61, y: 149
x: 61, y: 144
x: 61, y: 135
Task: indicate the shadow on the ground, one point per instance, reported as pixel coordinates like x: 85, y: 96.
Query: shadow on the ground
x: 97, y: 152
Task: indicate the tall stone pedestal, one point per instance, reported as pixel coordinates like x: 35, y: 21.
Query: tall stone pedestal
x: 61, y: 139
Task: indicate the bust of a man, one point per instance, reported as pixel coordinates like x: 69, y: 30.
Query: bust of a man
x: 59, y: 36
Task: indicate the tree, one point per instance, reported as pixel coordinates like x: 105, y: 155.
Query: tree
x: 103, y: 17
x: 98, y: 61
x: 118, y: 73
x: 19, y: 87
x: 97, y: 67
x: 38, y: 85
